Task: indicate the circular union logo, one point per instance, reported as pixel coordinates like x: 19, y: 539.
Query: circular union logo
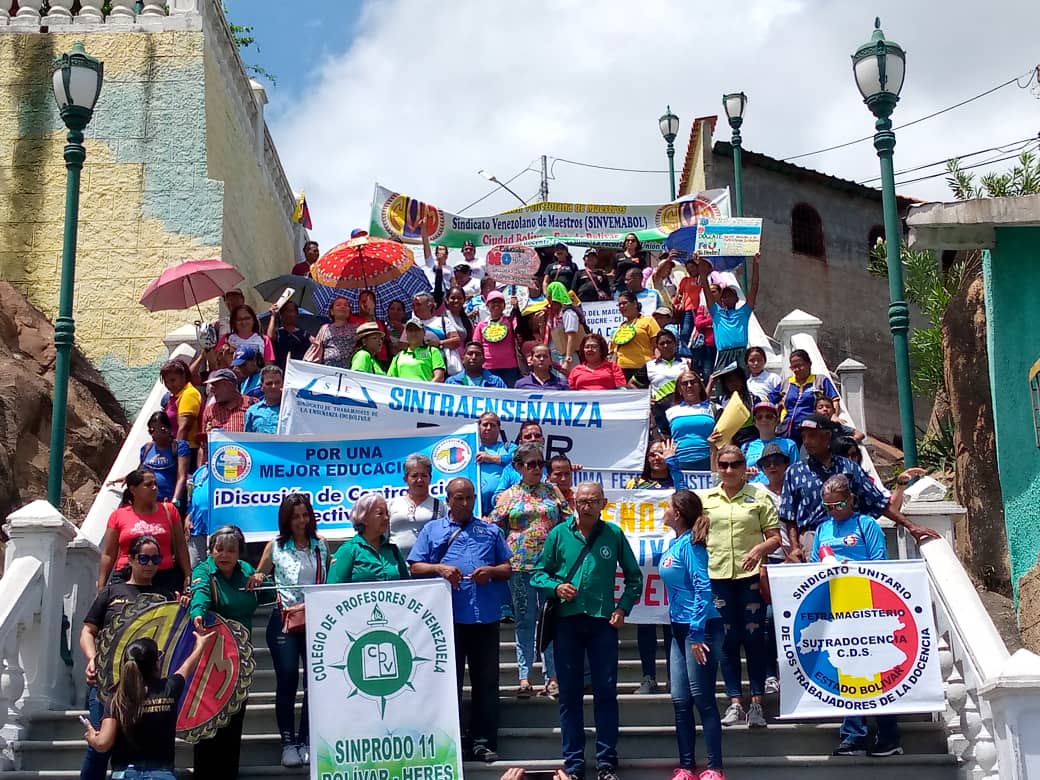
x: 403, y: 216
x: 380, y: 664
x: 855, y: 637
x: 673, y: 216
x: 231, y: 463
x: 451, y: 455
x: 604, y: 552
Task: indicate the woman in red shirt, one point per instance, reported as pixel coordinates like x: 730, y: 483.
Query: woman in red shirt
x: 141, y: 513
x: 595, y: 372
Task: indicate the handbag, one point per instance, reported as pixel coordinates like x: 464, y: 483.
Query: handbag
x: 294, y: 618
x: 316, y: 350
x: 549, y: 614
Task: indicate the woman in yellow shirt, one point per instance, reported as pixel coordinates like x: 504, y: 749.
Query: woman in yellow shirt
x: 744, y: 530
x: 633, y: 340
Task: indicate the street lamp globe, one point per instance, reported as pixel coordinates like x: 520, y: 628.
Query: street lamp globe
x: 734, y: 103
x: 669, y: 124
x: 879, y: 67
x: 77, y: 79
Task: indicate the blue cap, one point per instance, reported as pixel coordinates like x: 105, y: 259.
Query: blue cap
x: 244, y: 354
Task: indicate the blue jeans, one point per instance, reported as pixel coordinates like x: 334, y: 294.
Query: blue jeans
x: 287, y: 650
x: 578, y: 637
x: 685, y: 334
x: 95, y: 764
x: 527, y: 601
x: 693, y: 685
x: 740, y: 604
x: 646, y: 639
x: 132, y: 773
x: 854, y: 729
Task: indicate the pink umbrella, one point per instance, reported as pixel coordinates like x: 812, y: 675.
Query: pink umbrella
x: 189, y: 284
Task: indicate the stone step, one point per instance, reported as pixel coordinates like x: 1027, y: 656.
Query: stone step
x: 792, y: 767
x: 261, y: 743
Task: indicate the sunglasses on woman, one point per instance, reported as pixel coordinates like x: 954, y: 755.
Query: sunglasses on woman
x: 843, y: 504
x: 726, y: 465
x: 144, y: 560
x: 533, y: 464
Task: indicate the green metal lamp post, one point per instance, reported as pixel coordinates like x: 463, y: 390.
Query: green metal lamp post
x: 879, y: 67
x: 735, y: 103
x: 669, y: 124
x: 77, y: 79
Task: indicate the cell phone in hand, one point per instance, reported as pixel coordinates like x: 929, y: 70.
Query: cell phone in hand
x: 86, y: 722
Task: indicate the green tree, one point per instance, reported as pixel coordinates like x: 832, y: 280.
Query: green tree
x: 243, y: 36
x: 931, y: 287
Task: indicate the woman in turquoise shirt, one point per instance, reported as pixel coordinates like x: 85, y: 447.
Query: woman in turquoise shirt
x: 369, y: 556
x: 691, y: 420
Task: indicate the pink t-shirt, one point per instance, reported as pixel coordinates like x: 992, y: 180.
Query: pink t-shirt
x: 129, y: 525
x: 497, y: 354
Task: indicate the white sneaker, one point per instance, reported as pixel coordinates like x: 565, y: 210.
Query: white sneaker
x: 305, y: 754
x: 734, y: 714
x: 772, y: 686
x: 648, y: 686
x: 291, y: 756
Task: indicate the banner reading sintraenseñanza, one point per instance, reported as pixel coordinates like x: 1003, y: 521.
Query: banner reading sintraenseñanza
x: 381, y: 674
x: 601, y: 430
x: 856, y: 638
x: 250, y: 473
x: 400, y: 216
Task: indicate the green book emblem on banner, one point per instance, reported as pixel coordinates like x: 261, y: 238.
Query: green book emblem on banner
x: 380, y: 663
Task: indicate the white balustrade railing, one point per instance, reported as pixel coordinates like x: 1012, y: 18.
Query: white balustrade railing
x: 121, y: 15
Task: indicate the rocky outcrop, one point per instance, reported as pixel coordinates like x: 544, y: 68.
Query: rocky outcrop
x: 982, y: 544
x: 96, y: 427
x: 1029, y: 608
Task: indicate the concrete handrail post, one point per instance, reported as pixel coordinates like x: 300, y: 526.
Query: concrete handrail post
x: 797, y: 321
x: 41, y: 532
x: 850, y: 373
x: 1014, y: 700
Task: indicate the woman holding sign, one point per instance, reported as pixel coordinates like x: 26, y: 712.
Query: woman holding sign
x: 697, y: 632
x: 219, y: 584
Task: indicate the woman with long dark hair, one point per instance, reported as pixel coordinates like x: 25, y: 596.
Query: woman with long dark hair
x: 142, y: 512
x: 140, y: 723
x: 144, y: 562
x: 298, y: 556
x: 632, y: 256
x: 697, y: 634
x: 246, y: 332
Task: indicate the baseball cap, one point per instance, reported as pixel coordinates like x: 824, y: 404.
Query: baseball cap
x: 358, y: 233
x: 663, y: 311
x: 463, y: 268
x: 562, y: 246
x: 590, y: 251
x: 468, y: 245
x: 773, y: 450
x: 244, y: 354
x: 222, y: 375
x: 495, y: 295
x: 817, y: 422
x: 764, y: 405
x: 415, y: 323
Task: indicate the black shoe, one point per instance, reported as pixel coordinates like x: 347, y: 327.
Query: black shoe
x: 850, y: 749
x: 882, y: 749
x: 483, y: 753
x: 607, y: 774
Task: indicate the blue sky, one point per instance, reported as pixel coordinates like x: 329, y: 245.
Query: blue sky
x: 419, y: 96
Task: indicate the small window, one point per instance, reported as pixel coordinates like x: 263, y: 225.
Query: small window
x: 807, y: 231
x: 877, y: 233
x: 948, y: 258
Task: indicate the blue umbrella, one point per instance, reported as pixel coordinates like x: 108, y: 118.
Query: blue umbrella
x: 685, y: 240
x: 307, y: 320
x: 401, y: 289
x: 271, y: 290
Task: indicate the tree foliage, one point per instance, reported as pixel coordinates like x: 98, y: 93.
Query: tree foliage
x: 932, y: 288
x: 242, y: 35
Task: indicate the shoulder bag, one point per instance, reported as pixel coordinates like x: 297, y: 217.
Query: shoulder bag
x: 549, y: 614
x: 294, y: 619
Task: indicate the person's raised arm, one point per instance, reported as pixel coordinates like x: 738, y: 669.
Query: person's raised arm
x: 703, y: 269
x: 752, y: 292
x: 424, y: 233
x: 201, y: 641
x: 272, y: 322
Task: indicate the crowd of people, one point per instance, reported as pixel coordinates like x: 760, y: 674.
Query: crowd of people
x: 788, y: 481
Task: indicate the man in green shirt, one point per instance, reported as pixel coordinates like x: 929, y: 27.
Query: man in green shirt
x: 589, y: 623
x: 417, y: 360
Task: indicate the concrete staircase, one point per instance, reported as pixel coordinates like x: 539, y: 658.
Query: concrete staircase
x: 529, y: 735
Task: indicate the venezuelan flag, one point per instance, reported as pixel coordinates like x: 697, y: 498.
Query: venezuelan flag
x: 301, y: 214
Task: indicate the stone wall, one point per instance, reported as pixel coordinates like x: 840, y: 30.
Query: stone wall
x: 852, y: 304
x: 165, y: 153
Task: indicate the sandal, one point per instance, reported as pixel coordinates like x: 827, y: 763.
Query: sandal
x: 551, y: 689
x: 525, y: 691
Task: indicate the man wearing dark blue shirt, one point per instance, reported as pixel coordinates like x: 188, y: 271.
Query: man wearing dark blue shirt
x: 801, y: 504
x: 473, y: 556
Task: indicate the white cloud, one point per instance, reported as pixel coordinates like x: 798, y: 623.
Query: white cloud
x: 424, y: 94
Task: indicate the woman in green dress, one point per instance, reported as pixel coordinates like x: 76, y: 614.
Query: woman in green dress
x: 369, y: 555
